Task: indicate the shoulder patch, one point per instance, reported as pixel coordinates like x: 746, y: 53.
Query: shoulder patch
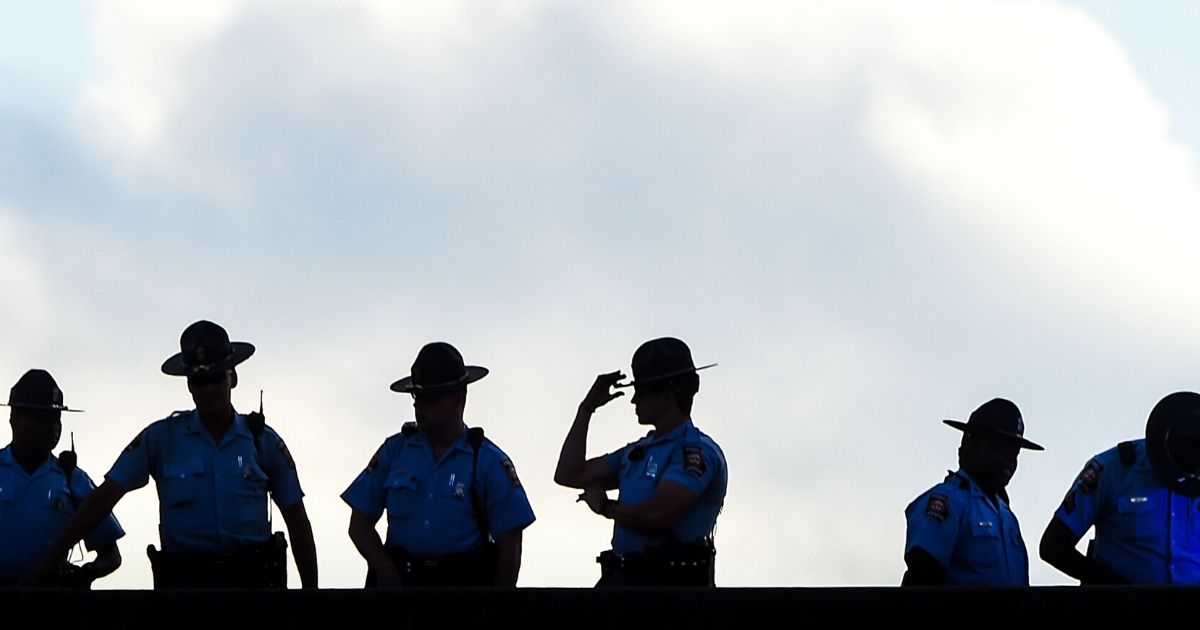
x: 287, y: 455
x: 938, y: 507
x: 693, y: 460
x: 1090, y: 477
x: 137, y: 442
x: 374, y: 463
x: 1069, y: 502
x: 512, y: 472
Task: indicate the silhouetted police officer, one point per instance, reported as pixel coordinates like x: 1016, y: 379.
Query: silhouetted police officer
x: 1143, y: 497
x: 456, y: 510
x: 961, y: 531
x: 213, y: 468
x: 39, y: 492
x: 671, y: 483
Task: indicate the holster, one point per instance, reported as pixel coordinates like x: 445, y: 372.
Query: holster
x: 671, y: 564
x: 260, y: 566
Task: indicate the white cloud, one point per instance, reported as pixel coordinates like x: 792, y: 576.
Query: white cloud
x: 872, y: 216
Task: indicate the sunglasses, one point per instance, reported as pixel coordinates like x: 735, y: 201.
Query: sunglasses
x: 207, y: 379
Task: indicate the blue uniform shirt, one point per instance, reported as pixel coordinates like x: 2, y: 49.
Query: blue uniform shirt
x: 977, y: 541
x: 428, y: 501
x: 35, y: 508
x: 685, y: 456
x: 1144, y: 531
x: 211, y: 497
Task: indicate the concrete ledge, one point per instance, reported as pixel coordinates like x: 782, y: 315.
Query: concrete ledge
x: 616, y: 609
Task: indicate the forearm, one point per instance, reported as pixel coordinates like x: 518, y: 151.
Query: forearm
x: 90, y: 513
x: 643, y: 517
x: 304, y: 548
x: 573, y: 456
x: 1057, y: 548
x: 366, y: 540
x: 509, y: 565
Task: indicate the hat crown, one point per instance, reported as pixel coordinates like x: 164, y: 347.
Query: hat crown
x: 997, y: 416
x: 661, y: 358
x: 36, y: 388
x: 204, y: 343
x: 438, y: 364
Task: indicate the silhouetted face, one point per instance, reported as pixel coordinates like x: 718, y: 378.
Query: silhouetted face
x: 991, y: 461
x: 440, y: 412
x: 211, y: 393
x: 36, y: 429
x: 652, y: 404
x: 1183, y: 445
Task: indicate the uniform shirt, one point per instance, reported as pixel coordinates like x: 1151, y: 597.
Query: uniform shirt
x: 974, y: 537
x: 211, y: 497
x: 685, y: 456
x: 428, y: 501
x: 34, y: 510
x: 1144, y: 531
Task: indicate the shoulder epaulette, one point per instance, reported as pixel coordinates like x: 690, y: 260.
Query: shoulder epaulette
x: 1127, y: 452
x: 475, y: 438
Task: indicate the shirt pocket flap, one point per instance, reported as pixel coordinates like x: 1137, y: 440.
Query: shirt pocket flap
x: 1133, y: 504
x: 400, y: 481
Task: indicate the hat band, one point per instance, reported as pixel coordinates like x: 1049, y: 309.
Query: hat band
x: 458, y: 381
x: 205, y: 367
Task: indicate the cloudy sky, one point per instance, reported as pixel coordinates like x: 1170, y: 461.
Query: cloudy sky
x: 872, y: 215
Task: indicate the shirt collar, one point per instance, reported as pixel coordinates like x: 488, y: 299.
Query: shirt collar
x: 675, y: 434
x: 418, y: 440
x: 7, y: 459
x: 238, y: 427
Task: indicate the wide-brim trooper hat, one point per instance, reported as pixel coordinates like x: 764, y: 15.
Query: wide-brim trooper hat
x: 205, y: 349
x: 439, y: 368
x: 997, y: 417
x: 1172, y: 439
x: 37, y: 390
x: 660, y: 360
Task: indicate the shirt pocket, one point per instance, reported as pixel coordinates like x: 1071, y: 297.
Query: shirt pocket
x: 181, y: 483
x: 1138, y: 516
x: 250, y: 481
x: 402, y: 496
x: 986, y: 546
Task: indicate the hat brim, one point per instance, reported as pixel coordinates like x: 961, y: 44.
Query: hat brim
x: 663, y: 377
x: 965, y: 428
x: 174, y: 366
x: 406, y: 385
x: 42, y: 407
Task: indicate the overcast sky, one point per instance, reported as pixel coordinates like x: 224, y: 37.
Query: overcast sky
x: 872, y: 215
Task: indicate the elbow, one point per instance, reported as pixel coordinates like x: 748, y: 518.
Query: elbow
x: 566, y: 479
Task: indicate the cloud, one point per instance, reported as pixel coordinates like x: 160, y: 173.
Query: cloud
x: 872, y: 216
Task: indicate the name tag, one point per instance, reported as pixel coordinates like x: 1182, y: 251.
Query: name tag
x: 1138, y: 499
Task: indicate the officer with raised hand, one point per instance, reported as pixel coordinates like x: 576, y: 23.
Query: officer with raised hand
x: 1143, y: 497
x: 961, y: 531
x: 671, y: 483
x: 39, y: 492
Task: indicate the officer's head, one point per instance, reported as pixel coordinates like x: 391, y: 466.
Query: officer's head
x: 992, y: 438
x: 1173, y: 442
x: 438, y: 382
x: 207, y: 358
x: 665, y: 381
x: 35, y: 416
